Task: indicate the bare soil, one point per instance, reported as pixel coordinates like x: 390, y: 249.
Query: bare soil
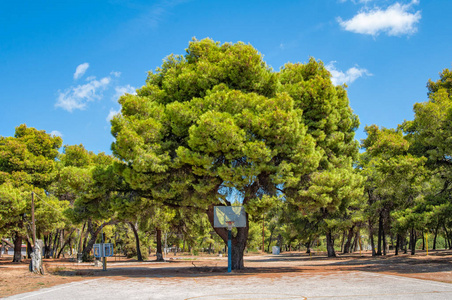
x: 15, y: 277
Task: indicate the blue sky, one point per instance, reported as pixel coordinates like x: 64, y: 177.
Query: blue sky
x: 63, y: 64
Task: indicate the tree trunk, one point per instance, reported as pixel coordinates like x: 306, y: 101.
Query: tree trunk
x: 238, y: 242
x: 29, y: 249
x: 413, y: 241
x: 55, y: 245
x: 436, y: 235
x: 330, y: 245
x: 279, y: 242
x: 238, y: 247
x: 383, y: 236
x: 36, y: 258
x: 270, y: 240
x: 47, y: 239
x: 423, y: 241
x: 371, y: 235
x: 308, y: 246
x: 355, y: 242
x: 380, y: 233
x: 137, y: 240
x: 404, y: 244
x: 159, y: 253
x: 65, y: 243
x: 397, y: 245
x: 94, y: 234
x: 61, y: 241
x: 7, y: 242
x: 446, y: 238
x: 349, y: 240
x: 343, y: 240
x: 17, y: 247
x: 80, y: 244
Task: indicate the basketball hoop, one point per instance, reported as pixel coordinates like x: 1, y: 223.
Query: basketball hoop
x: 230, y: 224
x: 229, y: 216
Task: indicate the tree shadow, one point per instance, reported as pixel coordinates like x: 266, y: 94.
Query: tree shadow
x: 439, y: 261
x: 175, y: 272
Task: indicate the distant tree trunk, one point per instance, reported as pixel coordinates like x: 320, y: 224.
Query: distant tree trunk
x: 330, y: 245
x: 61, y: 241
x: 47, y: 241
x: 4, y: 243
x: 279, y: 242
x: 397, y: 245
x: 94, y: 234
x: 355, y: 242
x: 423, y: 241
x: 448, y: 238
x: 66, y: 242
x: 436, y: 235
x: 343, y: 240
x: 404, y: 244
x: 308, y: 246
x: 380, y: 233
x: 371, y: 235
x: 55, y: 245
x: 85, y: 240
x: 80, y: 242
x: 349, y: 240
x: 270, y: 239
x: 383, y: 235
x: 159, y: 253
x: 29, y: 249
x: 413, y: 241
x: 137, y: 241
x: 17, y: 247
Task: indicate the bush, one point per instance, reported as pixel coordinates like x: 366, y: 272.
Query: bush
x: 130, y: 250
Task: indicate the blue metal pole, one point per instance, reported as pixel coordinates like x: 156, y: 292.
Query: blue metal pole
x: 229, y: 251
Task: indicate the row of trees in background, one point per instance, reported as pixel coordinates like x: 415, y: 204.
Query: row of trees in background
x: 219, y: 127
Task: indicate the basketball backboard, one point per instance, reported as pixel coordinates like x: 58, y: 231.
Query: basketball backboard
x: 225, y: 214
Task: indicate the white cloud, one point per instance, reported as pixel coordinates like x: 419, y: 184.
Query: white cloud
x: 56, y: 133
x: 80, y: 70
x: 121, y: 90
x: 112, y: 113
x: 339, y: 77
x: 77, y: 97
x: 115, y: 73
x: 396, y: 20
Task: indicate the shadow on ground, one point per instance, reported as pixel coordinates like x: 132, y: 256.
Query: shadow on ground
x: 282, y: 264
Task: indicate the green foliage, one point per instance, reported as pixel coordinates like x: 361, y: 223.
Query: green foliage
x: 396, y: 180
x: 28, y: 157
x: 431, y: 129
x: 430, y: 134
x: 27, y: 162
x: 208, y: 121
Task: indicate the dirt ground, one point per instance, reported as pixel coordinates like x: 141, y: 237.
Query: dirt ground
x: 15, y: 277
